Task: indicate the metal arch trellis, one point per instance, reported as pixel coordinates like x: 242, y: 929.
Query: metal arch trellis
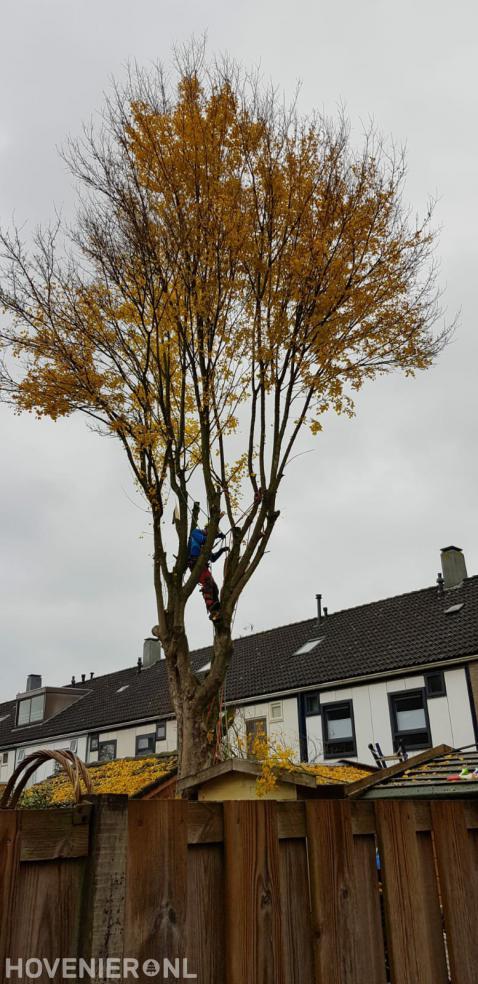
x: 74, y: 768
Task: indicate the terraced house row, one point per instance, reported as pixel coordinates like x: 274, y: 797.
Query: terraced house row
x: 403, y: 669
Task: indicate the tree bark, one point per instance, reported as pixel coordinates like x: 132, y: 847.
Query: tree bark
x: 196, y: 699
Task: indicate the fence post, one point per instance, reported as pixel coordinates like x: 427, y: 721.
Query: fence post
x: 104, y: 890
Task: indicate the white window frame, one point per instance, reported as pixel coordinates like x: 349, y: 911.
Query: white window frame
x: 274, y: 718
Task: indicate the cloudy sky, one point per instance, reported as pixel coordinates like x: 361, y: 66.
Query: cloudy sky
x: 365, y: 513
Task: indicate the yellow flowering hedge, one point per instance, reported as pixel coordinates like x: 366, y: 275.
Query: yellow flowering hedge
x: 129, y: 776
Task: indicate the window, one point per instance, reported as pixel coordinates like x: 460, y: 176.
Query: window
x: 20, y: 755
x: 57, y: 768
x: 93, y: 743
x: 74, y: 745
x: 435, y: 684
x: 4, y: 758
x: 31, y: 709
x: 312, y: 704
x: 338, y: 729
x: 256, y: 729
x: 106, y: 751
x: 161, y: 731
x: 275, y: 711
x: 409, y: 717
x: 308, y: 646
x: 145, y: 744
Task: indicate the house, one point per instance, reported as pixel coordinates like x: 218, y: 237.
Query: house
x: 400, y: 669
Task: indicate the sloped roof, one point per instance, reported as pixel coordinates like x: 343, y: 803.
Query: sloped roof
x: 447, y: 775
x: 381, y: 637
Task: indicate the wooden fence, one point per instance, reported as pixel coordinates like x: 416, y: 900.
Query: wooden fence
x: 248, y: 892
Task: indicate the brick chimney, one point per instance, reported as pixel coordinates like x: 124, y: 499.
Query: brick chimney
x: 151, y: 652
x: 453, y: 567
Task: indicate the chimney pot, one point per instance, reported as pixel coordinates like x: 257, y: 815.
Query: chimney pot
x: 91, y: 675
x: 453, y: 567
x: 83, y: 677
x: 73, y: 682
x: 326, y: 611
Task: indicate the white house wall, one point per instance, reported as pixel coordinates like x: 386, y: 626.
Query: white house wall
x: 450, y: 717
x: 285, y: 729
x: 450, y: 722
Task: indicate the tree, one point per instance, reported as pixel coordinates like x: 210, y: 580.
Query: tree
x: 234, y: 272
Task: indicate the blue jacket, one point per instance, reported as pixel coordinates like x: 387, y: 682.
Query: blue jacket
x: 196, y: 541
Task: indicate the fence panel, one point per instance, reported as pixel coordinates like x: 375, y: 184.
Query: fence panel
x: 9, y: 861
x: 249, y: 892
x: 157, y: 881
x: 458, y: 873
x: 205, y: 920
x: 252, y: 894
x: 415, y: 953
x: 370, y: 952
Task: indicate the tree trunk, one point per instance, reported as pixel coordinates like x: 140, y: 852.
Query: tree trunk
x: 197, y: 700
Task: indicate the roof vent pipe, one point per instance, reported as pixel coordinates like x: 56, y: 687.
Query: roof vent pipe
x: 453, y: 567
x: 319, y: 607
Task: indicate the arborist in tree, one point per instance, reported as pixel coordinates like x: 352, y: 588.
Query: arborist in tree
x: 209, y: 588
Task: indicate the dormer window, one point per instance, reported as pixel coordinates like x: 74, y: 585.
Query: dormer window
x: 31, y: 709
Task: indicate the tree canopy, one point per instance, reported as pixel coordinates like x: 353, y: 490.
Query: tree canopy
x: 235, y: 270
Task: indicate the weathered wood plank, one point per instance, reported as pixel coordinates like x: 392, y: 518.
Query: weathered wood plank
x: 411, y: 945
x: 252, y: 894
x: 458, y: 873
x: 9, y: 863
x: 205, y: 823
x: 157, y: 881
x: 290, y: 819
x: 50, y: 834
x: 432, y: 911
x: 295, y: 912
x: 370, y: 948
x: 205, y: 929
x: 46, y: 912
x: 103, y: 904
x: 333, y: 895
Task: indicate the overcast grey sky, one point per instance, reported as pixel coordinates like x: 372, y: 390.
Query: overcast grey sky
x: 363, y: 515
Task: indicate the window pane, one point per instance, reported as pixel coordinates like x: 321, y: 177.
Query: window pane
x: 339, y: 726
x: 145, y: 743
x: 24, y: 712
x: 36, y: 708
x: 107, y: 751
x: 411, y: 720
